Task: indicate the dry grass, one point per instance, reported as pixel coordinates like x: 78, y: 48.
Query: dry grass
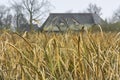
x: 89, y: 56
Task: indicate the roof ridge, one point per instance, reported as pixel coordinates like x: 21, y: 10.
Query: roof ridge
x: 70, y: 13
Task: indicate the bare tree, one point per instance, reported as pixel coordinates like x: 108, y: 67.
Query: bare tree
x: 116, y: 16
x: 2, y: 14
x: 19, y: 17
x: 35, y: 9
x: 7, y: 19
x: 93, y: 8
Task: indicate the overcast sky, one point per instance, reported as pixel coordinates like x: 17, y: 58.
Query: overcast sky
x: 108, y: 6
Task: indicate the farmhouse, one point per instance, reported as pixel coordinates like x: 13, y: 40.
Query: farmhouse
x: 73, y: 21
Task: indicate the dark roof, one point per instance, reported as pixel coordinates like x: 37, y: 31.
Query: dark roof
x: 70, y: 18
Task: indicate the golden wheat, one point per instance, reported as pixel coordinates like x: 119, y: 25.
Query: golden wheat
x: 68, y: 56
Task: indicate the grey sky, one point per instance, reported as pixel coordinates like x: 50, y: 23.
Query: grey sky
x: 108, y: 6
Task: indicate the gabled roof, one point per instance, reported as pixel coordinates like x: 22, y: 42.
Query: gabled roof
x: 70, y: 18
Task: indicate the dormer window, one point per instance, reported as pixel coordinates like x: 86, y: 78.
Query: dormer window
x: 75, y: 22
x: 61, y: 24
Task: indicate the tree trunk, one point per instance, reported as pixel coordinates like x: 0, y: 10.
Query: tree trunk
x: 31, y: 25
x: 17, y: 23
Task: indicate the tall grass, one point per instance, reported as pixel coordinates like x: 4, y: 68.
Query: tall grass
x: 69, y: 56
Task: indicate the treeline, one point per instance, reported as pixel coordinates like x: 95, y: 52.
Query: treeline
x: 112, y: 27
x: 108, y: 27
x: 23, y: 12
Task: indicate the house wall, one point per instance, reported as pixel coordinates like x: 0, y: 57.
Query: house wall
x: 64, y: 28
